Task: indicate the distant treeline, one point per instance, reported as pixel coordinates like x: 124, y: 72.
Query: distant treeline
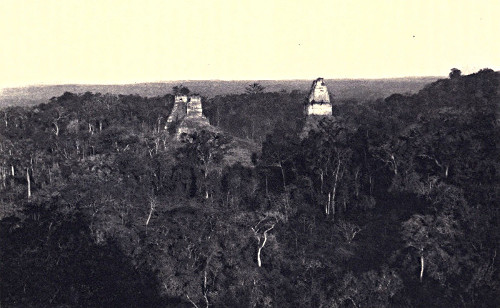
x: 359, y: 89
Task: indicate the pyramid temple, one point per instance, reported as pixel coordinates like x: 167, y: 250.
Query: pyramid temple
x: 187, y: 115
x: 319, y: 100
x: 317, y: 106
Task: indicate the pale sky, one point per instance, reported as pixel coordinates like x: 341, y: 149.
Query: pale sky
x: 102, y: 41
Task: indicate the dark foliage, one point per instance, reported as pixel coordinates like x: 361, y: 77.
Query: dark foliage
x: 256, y: 114
x: 391, y: 202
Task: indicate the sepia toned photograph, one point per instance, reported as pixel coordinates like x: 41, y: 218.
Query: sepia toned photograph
x: 265, y: 153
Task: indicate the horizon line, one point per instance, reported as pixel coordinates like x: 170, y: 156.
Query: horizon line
x: 42, y: 84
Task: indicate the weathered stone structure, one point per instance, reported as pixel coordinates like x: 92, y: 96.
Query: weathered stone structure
x: 317, y: 106
x: 186, y: 115
x: 179, y: 109
x: 319, y: 100
x: 186, y: 106
x: 194, y: 108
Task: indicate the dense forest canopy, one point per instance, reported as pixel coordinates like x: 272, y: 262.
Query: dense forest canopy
x: 390, y: 202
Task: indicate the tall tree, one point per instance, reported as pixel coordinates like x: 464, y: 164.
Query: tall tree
x: 254, y: 88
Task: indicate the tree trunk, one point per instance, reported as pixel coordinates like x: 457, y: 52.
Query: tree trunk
x: 356, y: 182
x: 333, y: 208
x: 29, y: 182
x: 321, y: 176
x: 327, y: 207
x: 150, y: 212
x: 283, y: 175
x: 421, y: 267
x: 205, y: 289
x: 394, y: 164
x: 259, y: 261
x: 57, y: 129
x: 4, y: 176
x: 206, y: 183
x: 334, y: 191
x: 189, y: 299
x: 267, y: 189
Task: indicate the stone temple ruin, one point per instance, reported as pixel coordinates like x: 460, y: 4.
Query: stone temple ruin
x: 317, y: 106
x: 186, y: 115
x: 319, y: 100
x: 186, y: 106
